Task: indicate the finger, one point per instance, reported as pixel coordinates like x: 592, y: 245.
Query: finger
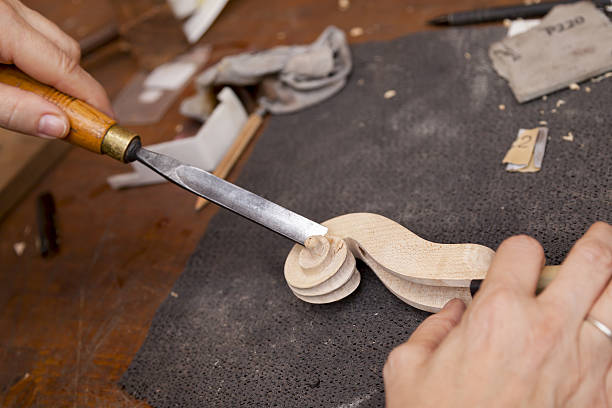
x: 517, y: 265
x: 425, y: 339
x: 435, y: 328
x: 29, y: 113
x: 49, y: 64
x: 583, y: 275
x: 50, y: 30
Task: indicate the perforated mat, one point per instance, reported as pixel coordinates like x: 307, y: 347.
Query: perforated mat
x: 428, y: 158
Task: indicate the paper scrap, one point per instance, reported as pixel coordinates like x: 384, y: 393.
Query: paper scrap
x: 572, y: 43
x: 170, y: 76
x: 527, y: 151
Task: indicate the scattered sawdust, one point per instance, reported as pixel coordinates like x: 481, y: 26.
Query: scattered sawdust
x: 356, y: 32
x: 543, y: 123
x: 559, y: 103
x: 587, y: 89
x: 390, y: 94
x: 574, y: 86
x: 467, y: 56
x: 174, y: 294
x: 569, y: 137
x: 502, y: 107
x: 602, y: 77
x: 343, y: 5
x: 281, y: 35
x: 19, y: 247
x: 544, y: 98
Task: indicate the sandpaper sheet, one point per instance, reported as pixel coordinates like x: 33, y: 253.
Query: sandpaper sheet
x: 429, y: 158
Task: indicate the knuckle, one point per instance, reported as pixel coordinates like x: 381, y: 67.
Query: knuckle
x: 595, y: 251
x: 74, y: 49
x: 68, y: 65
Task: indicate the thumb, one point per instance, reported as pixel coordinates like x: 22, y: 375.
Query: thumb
x: 435, y: 328
x: 28, y: 113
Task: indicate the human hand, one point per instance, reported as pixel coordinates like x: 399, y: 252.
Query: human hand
x: 40, y: 49
x: 511, y: 348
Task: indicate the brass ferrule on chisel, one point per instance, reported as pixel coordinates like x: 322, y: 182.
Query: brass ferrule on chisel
x: 118, y: 142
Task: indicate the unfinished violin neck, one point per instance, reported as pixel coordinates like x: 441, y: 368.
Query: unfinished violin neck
x: 424, y: 274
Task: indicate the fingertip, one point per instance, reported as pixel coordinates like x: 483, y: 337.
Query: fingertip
x: 524, y: 244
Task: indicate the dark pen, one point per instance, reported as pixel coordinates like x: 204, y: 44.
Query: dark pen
x: 502, y: 13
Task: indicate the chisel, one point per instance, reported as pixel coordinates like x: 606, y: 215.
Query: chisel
x: 95, y: 131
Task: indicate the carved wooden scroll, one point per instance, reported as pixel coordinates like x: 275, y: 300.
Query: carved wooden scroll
x: 423, y: 274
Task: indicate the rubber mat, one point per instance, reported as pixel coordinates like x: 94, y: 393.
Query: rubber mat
x: 429, y: 158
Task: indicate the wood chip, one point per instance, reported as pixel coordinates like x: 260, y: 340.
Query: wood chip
x: 390, y: 94
x: 502, y: 107
x: 569, y: 137
x: 356, y: 32
x: 343, y: 5
x: 174, y: 294
x: 574, y: 86
x: 560, y: 102
x: 587, y: 89
x: 467, y: 56
x: 544, y: 98
x: 19, y: 248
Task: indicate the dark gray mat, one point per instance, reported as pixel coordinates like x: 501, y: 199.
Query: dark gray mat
x: 429, y: 158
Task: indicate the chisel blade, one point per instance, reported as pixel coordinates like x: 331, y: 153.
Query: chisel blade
x: 232, y: 197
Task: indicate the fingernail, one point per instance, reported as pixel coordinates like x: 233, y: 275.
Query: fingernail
x: 51, y: 126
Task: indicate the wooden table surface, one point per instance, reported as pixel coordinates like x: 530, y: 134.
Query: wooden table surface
x: 70, y: 324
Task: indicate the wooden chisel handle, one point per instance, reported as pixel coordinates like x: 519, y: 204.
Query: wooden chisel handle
x: 89, y: 128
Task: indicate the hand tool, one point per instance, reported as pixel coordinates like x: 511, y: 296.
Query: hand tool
x: 507, y: 12
x: 95, y: 131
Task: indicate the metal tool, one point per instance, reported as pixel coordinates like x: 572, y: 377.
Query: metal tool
x: 99, y: 133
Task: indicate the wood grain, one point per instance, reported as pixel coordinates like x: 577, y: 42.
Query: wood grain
x: 72, y: 323
x: 424, y: 274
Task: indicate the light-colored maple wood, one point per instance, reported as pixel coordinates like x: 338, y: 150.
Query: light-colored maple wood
x: 88, y: 126
x: 233, y: 154
x: 424, y: 274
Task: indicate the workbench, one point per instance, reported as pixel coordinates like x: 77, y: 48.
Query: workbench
x: 70, y: 324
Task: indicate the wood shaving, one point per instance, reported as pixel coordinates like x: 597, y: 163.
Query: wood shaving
x: 390, y: 94
x: 467, y: 56
x: 587, y: 89
x: 543, y: 123
x: 602, y: 77
x: 356, y: 32
x: 343, y: 5
x: 174, y: 294
x: 560, y: 102
x: 574, y: 86
x: 569, y: 137
x: 502, y: 107
x: 553, y: 110
x: 19, y: 247
x: 544, y: 98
